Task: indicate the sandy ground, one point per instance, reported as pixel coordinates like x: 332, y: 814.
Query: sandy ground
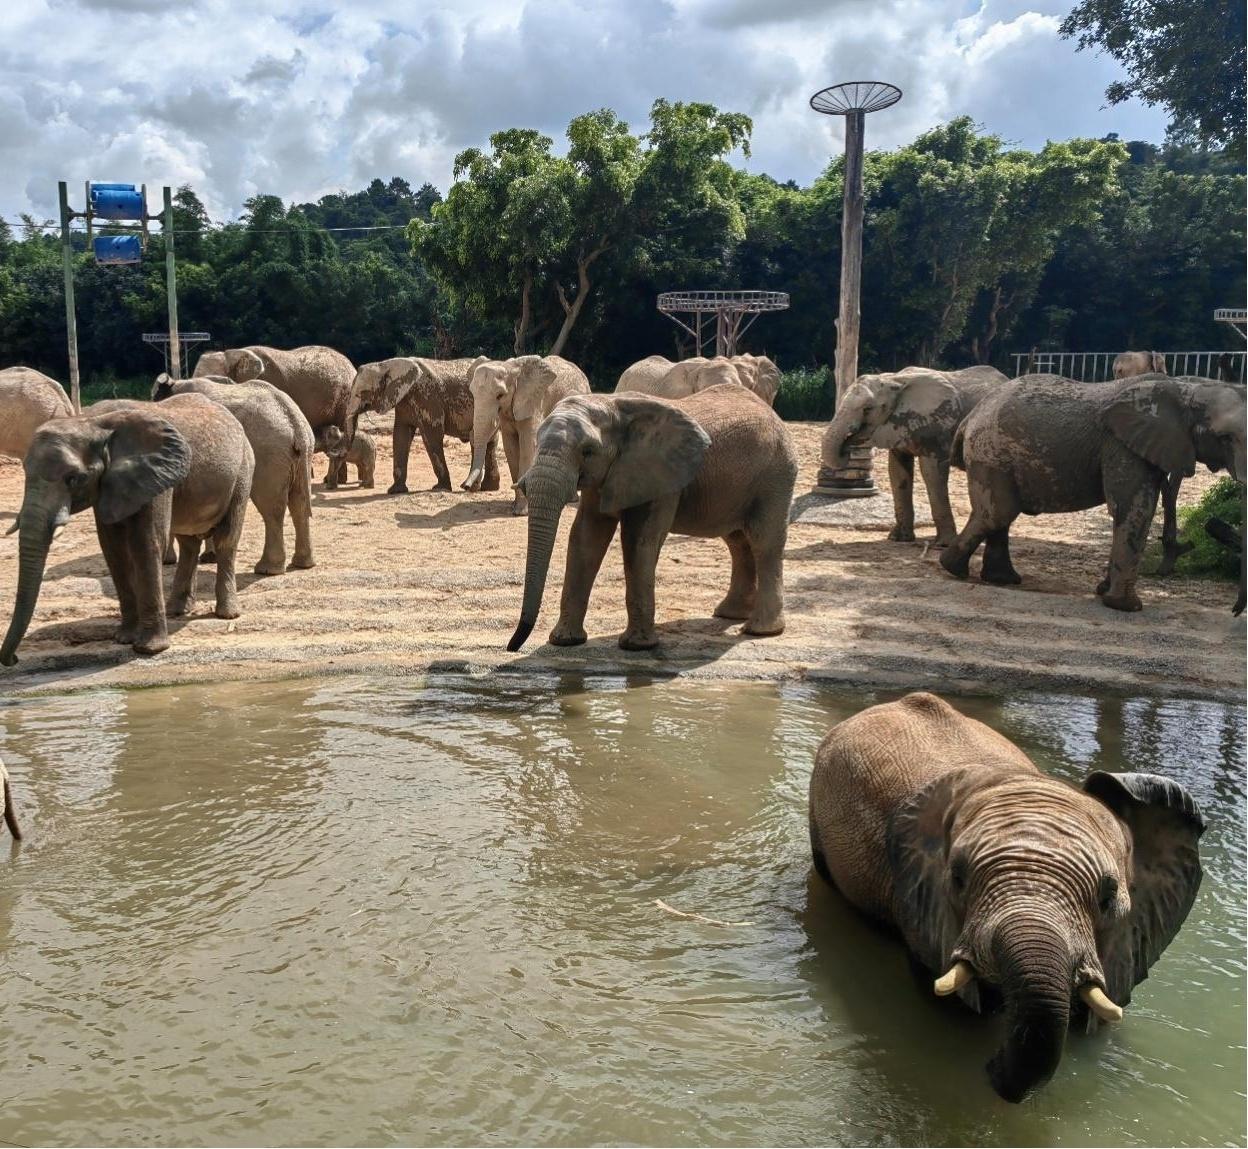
x: 428, y: 581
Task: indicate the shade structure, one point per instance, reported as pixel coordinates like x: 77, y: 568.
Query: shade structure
x: 855, y: 96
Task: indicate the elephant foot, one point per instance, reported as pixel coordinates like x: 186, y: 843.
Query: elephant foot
x: 439, y: 486
x: 209, y: 556
x: 397, y: 489
x: 367, y: 486
x: 489, y: 484
x: 153, y: 644
x: 1000, y: 577
x: 169, y: 558
x: 267, y: 569
x: 228, y: 608
x: 301, y: 563
x: 955, y: 563
x: 472, y: 488
x: 901, y: 535
x: 127, y: 634
x: 765, y: 627
x: 1128, y: 601
x: 180, y: 605
x: 567, y: 636
x: 734, y: 608
x: 638, y: 640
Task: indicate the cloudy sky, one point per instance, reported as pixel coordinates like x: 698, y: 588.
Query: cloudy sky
x: 302, y: 97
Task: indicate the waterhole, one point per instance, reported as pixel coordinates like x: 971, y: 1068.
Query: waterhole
x: 424, y: 911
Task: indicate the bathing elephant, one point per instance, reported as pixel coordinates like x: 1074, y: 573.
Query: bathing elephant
x: 6, y: 805
x: 429, y: 397
x: 28, y: 399
x: 1130, y: 363
x: 719, y: 464
x: 512, y: 397
x: 755, y: 373
x: 281, y: 441
x: 120, y: 457
x: 910, y: 413
x: 1043, y: 444
x: 317, y: 378
x: 1051, y: 899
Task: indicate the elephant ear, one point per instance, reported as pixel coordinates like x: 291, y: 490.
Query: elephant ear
x: 146, y: 455
x: 918, y: 843
x: 242, y: 366
x: 533, y: 377
x: 1149, y: 419
x: 398, y: 377
x: 1165, y: 825
x: 660, y: 451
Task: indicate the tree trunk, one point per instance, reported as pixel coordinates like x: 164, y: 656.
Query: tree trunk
x: 526, y: 315
x: 572, y: 311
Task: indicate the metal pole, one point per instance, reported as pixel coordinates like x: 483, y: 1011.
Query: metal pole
x: 171, y: 285
x: 71, y: 322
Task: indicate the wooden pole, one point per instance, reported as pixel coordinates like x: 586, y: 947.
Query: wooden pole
x: 171, y: 286
x: 71, y: 321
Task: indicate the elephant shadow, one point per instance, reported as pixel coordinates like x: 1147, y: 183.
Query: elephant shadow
x: 464, y: 510
x: 322, y: 497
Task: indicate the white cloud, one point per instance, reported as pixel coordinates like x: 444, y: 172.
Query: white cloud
x: 300, y: 98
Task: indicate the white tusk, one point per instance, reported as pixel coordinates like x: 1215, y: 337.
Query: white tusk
x: 1096, y: 1000
x: 960, y: 974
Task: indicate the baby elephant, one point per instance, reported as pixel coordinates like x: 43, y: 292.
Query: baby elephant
x: 120, y: 457
x: 1054, y: 900
x: 719, y: 464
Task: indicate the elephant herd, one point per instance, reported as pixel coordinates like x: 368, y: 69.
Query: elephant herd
x: 1048, y: 900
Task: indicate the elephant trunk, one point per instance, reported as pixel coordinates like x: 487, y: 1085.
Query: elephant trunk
x: 842, y: 428
x: 484, y: 426
x: 550, y: 485
x: 38, y: 521
x: 1035, y: 971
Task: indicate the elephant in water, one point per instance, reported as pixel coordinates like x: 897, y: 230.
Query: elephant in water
x: 910, y: 413
x: 512, y: 397
x: 6, y: 805
x: 282, y: 442
x: 120, y: 457
x: 317, y: 378
x: 1052, y: 899
x: 657, y: 375
x: 429, y: 396
x: 720, y: 464
x: 28, y: 399
x: 1043, y: 445
x: 1131, y: 363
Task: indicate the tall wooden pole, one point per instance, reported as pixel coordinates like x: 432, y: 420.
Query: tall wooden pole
x: 71, y: 321
x: 850, y: 318
x: 171, y: 286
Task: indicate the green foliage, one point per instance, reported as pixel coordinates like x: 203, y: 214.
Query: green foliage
x: 806, y: 394
x: 1225, y: 501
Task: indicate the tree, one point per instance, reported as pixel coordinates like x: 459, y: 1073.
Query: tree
x: 1186, y: 55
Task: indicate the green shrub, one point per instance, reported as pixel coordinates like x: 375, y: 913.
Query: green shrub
x: 1225, y: 501
x: 106, y: 385
x: 805, y: 394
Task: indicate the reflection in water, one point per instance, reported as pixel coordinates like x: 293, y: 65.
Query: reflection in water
x: 424, y: 912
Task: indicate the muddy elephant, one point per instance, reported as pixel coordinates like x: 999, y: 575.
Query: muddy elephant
x: 361, y: 453
x: 430, y: 397
x: 282, y: 442
x: 28, y: 399
x: 656, y: 375
x: 911, y: 414
x: 1018, y: 888
x: 317, y: 378
x: 7, y: 808
x: 720, y: 464
x: 1130, y: 363
x: 1043, y: 444
x: 120, y: 458
x: 512, y: 397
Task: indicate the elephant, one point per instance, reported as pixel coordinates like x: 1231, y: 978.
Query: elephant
x: 361, y: 454
x: 282, y: 443
x: 429, y: 396
x: 1130, y: 363
x: 1043, y: 444
x: 719, y: 464
x: 6, y: 805
x: 910, y: 413
x: 120, y: 457
x: 28, y: 399
x: 317, y: 378
x: 659, y: 376
x: 512, y: 397
x: 1016, y: 887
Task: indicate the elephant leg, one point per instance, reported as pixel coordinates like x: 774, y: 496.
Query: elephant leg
x: 299, y: 503
x: 1171, y: 549
x: 145, y: 535
x: 273, y: 557
x: 225, y: 536
x: 997, y: 567
x: 162, y: 511
x: 588, y: 541
x: 1132, y: 502
x: 739, y: 601
x: 642, y: 531
x: 182, y: 600
x: 901, y: 479
x: 936, y: 480
x: 526, y: 448
x: 511, y: 449
x: 491, y: 480
x: 766, y: 531
x: 341, y: 476
x: 116, y: 557
x: 402, y: 443
x: 432, y: 436
x: 994, y: 506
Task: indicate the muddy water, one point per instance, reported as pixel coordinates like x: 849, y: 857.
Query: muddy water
x: 425, y: 912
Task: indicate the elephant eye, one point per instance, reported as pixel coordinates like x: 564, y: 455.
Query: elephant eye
x: 76, y: 480
x: 1107, y: 893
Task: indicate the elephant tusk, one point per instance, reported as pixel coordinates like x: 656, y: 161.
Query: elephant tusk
x: 1096, y: 1000
x: 959, y: 975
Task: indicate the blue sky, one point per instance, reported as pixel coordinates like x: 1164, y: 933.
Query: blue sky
x: 300, y: 98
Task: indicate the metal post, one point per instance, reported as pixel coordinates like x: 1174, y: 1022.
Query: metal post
x: 71, y: 322
x: 171, y: 285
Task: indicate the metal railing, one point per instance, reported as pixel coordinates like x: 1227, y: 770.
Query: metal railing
x: 1098, y: 366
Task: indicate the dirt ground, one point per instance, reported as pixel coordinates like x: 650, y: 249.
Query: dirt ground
x: 428, y: 581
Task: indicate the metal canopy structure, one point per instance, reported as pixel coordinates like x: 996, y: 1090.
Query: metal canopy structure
x: 855, y: 96
x: 186, y: 340
x: 1237, y: 317
x: 734, y: 311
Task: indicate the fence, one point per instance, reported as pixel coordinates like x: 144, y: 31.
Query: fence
x: 1097, y: 366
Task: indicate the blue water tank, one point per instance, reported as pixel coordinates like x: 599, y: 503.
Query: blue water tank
x: 116, y: 201
x: 117, y: 249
